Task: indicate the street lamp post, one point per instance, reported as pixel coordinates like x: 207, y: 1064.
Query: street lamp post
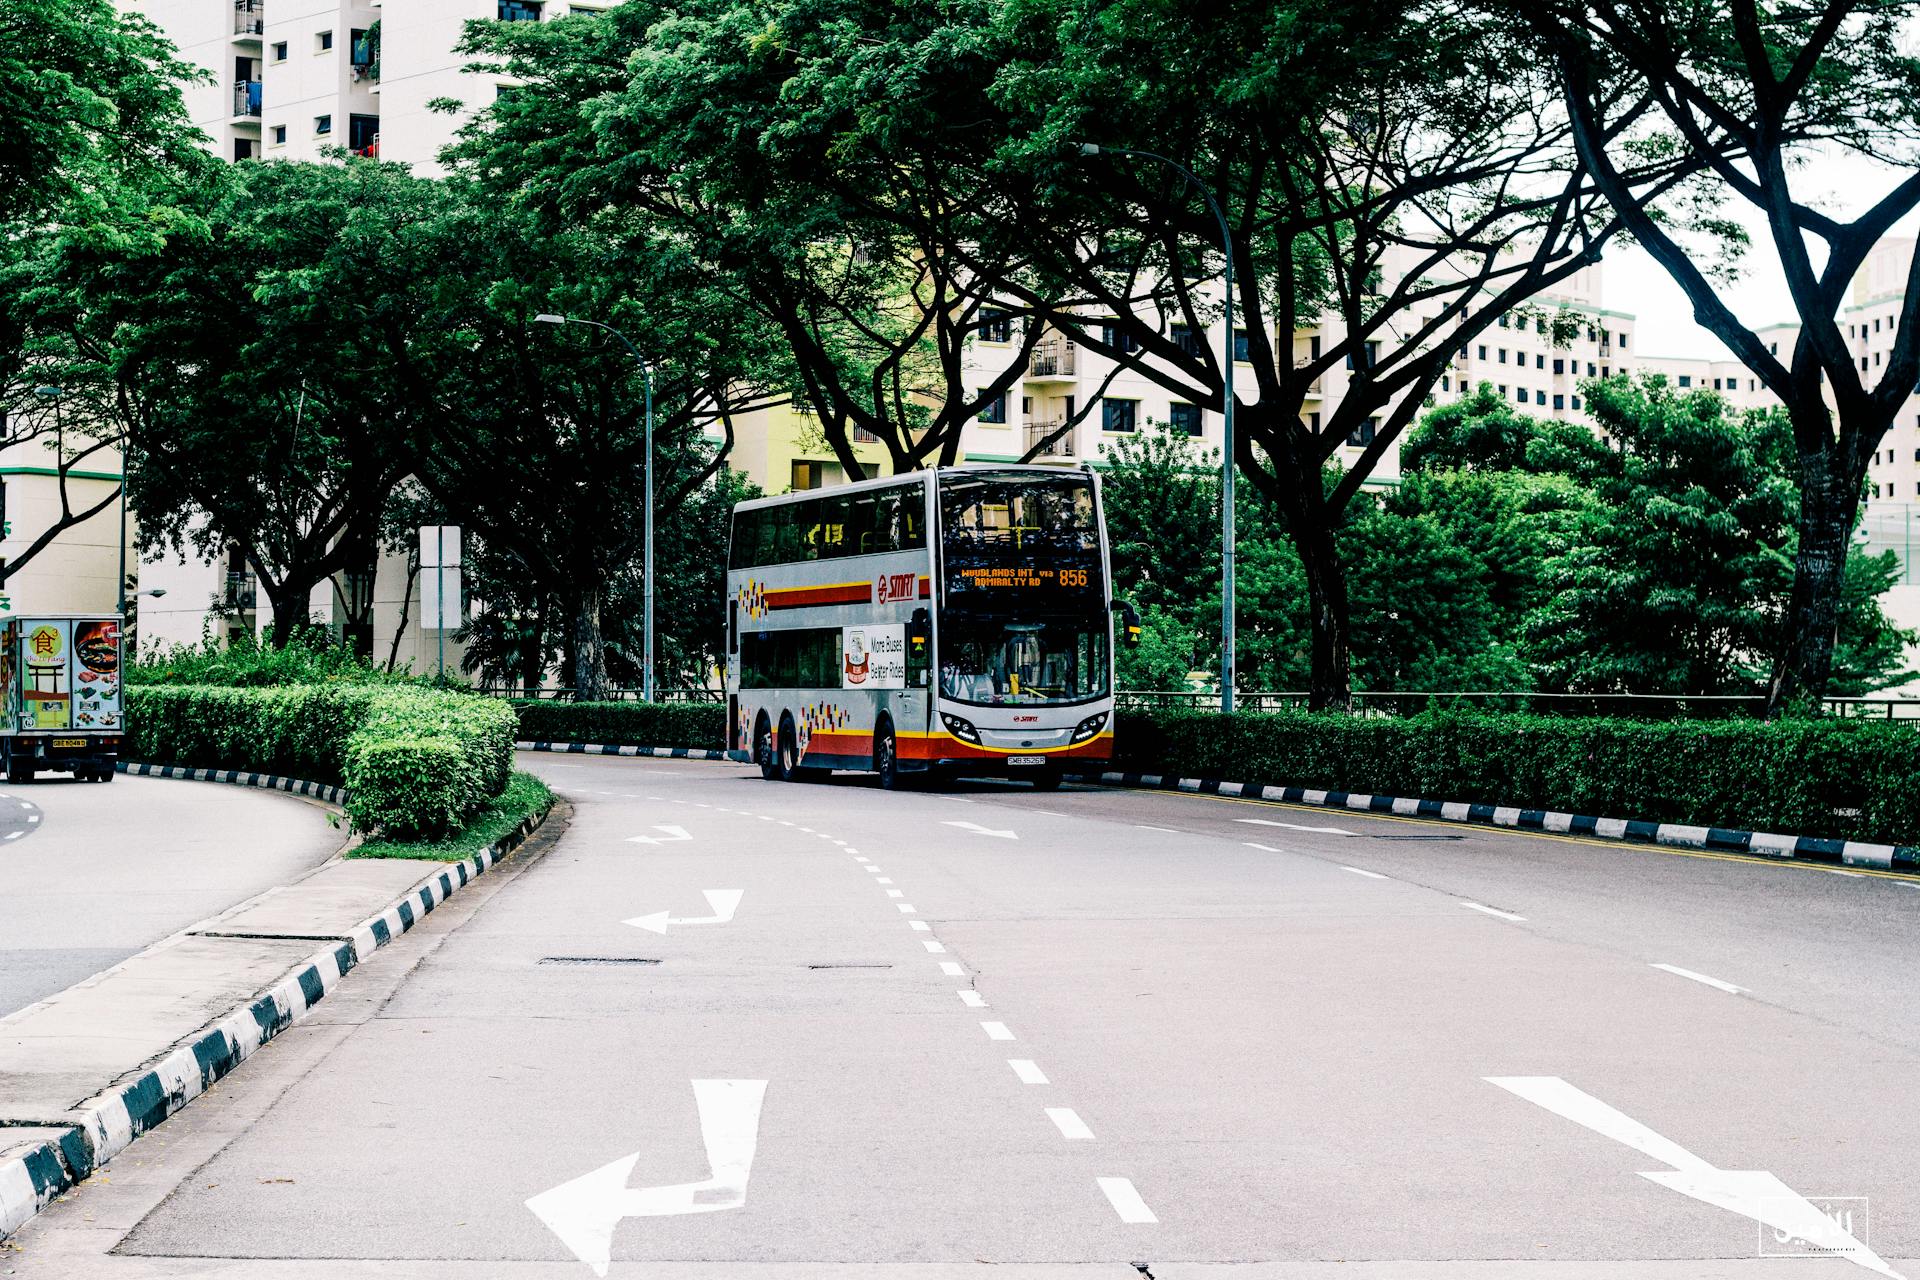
x: 1227, y: 534
x: 646, y: 660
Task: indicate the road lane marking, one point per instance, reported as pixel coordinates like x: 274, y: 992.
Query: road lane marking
x: 1141, y: 826
x: 1294, y: 826
x: 952, y: 970
x: 1125, y: 1200
x: 585, y: 1211
x: 1749, y: 1193
x: 894, y: 893
x: 858, y: 858
x: 972, y: 999
x: 1504, y: 915
x: 977, y: 829
x: 723, y: 902
x: 1371, y: 875
x: 996, y: 1030
x: 872, y: 870
x: 1264, y: 848
x: 920, y: 925
x: 33, y: 817
x: 1071, y: 1126
x: 935, y: 947
x: 906, y: 908
x: 672, y: 835
x: 1727, y: 987
x: 1027, y: 1071
x: 884, y: 880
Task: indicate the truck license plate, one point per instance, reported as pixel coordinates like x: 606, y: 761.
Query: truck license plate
x: 69, y: 742
x: 1026, y: 759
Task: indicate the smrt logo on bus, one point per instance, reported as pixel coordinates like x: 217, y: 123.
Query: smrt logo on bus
x: 889, y: 587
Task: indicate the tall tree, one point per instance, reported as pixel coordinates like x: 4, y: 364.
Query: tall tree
x: 1745, y: 88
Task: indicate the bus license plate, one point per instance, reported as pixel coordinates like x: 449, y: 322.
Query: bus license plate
x: 69, y: 742
x: 1026, y: 759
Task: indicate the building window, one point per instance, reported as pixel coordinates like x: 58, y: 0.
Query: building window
x: 1189, y: 340
x: 995, y: 410
x: 322, y: 41
x: 995, y: 325
x: 1575, y: 401
x: 1559, y: 365
x: 279, y: 50
x: 1483, y: 356
x: 1503, y: 322
x: 519, y: 10
x: 363, y: 135
x: 1118, y: 339
x: 279, y: 133
x: 1362, y: 436
x: 1369, y: 353
x: 1559, y: 402
x: 1520, y: 395
x: 322, y: 126
x: 1623, y: 341
x: 1606, y: 371
x: 1242, y: 347
x: 1539, y: 397
x: 1591, y: 368
x: 1773, y: 348
x: 1503, y: 391
x: 1503, y: 355
x: 1184, y: 418
x: 1313, y: 422
x: 1686, y: 379
x: 1118, y: 415
x: 1539, y: 362
x: 245, y: 148
x: 1026, y: 408
x: 1446, y: 383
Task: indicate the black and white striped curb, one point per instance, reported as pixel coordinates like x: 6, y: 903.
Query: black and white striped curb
x: 614, y: 749
x: 1850, y: 853
x: 238, y: 777
x: 103, y: 1126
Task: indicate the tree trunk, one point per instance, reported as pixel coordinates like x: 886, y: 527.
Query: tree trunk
x: 533, y: 636
x: 290, y: 603
x: 589, y: 650
x: 1829, y: 499
x: 1330, y: 686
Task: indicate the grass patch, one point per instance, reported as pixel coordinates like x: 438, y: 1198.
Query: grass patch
x: 525, y: 795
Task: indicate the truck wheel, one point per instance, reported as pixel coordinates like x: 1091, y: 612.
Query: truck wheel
x: 19, y: 774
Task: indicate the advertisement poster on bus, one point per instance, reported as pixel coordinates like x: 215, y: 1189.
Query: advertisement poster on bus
x: 46, y: 675
x: 875, y: 657
x: 96, y: 673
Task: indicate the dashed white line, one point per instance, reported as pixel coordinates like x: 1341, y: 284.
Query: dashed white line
x: 1294, y: 826
x: 895, y: 893
x: 1125, y: 1200
x: 952, y: 970
x: 1716, y: 983
x: 1141, y: 826
x: 920, y: 925
x: 1371, y: 875
x: 996, y: 1030
x: 972, y: 999
x: 1027, y: 1071
x: 33, y: 817
x: 1071, y: 1126
x: 1504, y: 915
x: 1264, y: 848
x: 884, y: 880
x: 858, y: 858
x: 906, y: 908
x: 935, y: 947
x: 872, y: 870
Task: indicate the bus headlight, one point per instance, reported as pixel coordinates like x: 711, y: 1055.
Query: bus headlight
x: 960, y: 729
x: 1089, y: 727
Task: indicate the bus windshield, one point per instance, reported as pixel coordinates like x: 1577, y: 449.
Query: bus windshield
x: 997, y: 661
x: 1012, y: 511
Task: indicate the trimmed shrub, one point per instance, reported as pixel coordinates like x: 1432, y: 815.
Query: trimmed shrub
x: 1842, y: 779
x: 416, y: 762
x: 701, y: 725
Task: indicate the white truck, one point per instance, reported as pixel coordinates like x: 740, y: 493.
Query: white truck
x: 64, y: 705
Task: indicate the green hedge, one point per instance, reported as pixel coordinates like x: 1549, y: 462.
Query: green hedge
x: 639, y: 724
x: 1842, y: 779
x: 416, y: 762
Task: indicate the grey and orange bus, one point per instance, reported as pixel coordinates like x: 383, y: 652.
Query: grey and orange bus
x: 955, y: 621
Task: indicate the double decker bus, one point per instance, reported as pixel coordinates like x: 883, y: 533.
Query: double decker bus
x: 956, y: 621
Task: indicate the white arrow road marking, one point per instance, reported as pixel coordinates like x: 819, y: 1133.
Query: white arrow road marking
x: 673, y: 834
x: 723, y: 901
x: 980, y: 830
x: 1751, y: 1194
x: 584, y: 1212
x: 1294, y: 826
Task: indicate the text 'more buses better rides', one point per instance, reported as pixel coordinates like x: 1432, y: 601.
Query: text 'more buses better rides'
x: 958, y: 620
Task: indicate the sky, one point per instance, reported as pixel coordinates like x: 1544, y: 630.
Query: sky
x: 1630, y: 280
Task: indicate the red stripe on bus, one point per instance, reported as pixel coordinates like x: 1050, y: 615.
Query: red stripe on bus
x: 801, y: 597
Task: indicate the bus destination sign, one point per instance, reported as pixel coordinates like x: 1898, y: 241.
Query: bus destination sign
x: 1023, y: 577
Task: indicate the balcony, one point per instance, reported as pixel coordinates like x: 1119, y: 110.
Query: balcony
x: 241, y: 593
x: 1039, y: 431
x: 246, y: 98
x: 249, y: 17
x: 1051, y: 359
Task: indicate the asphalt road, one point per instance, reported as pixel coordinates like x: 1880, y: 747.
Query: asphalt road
x: 1090, y: 1034
x: 90, y: 873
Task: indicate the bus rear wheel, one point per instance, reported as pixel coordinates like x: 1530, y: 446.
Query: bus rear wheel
x: 886, y: 758
x: 763, y: 751
x: 787, y: 753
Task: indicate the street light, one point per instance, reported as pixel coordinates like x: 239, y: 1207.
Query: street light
x: 646, y: 661
x: 1227, y: 538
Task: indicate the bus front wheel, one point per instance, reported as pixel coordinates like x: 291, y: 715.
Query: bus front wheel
x: 787, y: 752
x: 886, y: 757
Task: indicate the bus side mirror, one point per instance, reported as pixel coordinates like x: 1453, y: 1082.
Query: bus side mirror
x: 1129, y: 623
x: 919, y: 648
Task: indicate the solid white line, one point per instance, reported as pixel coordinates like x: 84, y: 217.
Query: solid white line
x: 1264, y: 848
x: 1727, y: 987
x: 921, y: 925
x: 972, y: 999
x: 1141, y: 826
x: 1852, y: 874
x: 996, y: 1030
x: 1371, y: 875
x: 1294, y: 826
x: 1071, y: 1126
x: 1504, y: 915
x: 1027, y: 1071
x: 935, y: 947
x: 1125, y: 1200
x: 952, y: 970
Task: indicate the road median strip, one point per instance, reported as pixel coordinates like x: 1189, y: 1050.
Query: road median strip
x: 45, y: 1150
